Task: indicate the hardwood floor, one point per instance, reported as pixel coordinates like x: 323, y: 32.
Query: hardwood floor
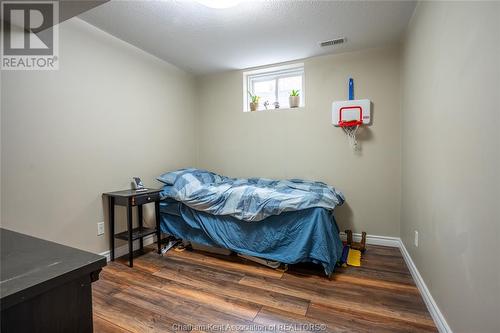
x: 195, y: 291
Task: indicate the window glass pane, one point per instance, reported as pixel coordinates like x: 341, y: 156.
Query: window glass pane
x: 267, y: 92
x: 285, y: 86
x: 274, y: 84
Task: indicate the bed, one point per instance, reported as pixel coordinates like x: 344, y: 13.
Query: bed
x: 286, y: 221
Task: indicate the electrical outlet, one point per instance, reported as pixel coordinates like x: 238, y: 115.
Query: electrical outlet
x: 100, y: 228
x: 416, y: 238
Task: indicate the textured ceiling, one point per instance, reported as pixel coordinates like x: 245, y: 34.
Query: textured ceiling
x: 204, y: 40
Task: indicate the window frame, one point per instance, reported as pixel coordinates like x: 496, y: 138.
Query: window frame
x: 272, y: 73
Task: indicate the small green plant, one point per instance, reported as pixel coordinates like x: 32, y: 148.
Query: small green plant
x: 255, y: 99
x: 294, y: 93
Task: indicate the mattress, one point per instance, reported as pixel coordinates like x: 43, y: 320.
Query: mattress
x: 309, y: 235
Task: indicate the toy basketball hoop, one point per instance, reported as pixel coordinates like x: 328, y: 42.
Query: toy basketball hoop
x: 350, y: 115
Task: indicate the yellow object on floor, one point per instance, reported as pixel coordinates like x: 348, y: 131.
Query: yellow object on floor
x: 354, y: 258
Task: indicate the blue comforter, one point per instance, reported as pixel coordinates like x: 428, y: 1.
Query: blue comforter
x: 309, y: 235
x: 252, y: 199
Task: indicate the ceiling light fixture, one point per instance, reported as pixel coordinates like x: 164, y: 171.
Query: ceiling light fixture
x: 219, y: 4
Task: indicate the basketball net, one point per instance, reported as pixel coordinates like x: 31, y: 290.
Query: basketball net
x: 351, y: 132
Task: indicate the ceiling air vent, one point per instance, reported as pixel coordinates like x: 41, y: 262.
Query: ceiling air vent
x: 332, y: 42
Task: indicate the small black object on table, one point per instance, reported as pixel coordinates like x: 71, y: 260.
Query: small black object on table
x: 129, y: 199
x: 45, y: 286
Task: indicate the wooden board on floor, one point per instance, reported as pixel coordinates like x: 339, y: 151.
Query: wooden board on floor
x: 189, y: 291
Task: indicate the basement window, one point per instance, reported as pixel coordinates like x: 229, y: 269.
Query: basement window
x: 273, y: 86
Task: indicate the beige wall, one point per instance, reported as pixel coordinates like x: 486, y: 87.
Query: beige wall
x: 451, y: 158
x: 111, y: 112
x: 305, y: 144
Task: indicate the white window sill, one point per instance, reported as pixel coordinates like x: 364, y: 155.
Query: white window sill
x: 274, y: 110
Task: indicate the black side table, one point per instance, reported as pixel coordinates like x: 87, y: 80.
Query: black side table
x: 129, y: 199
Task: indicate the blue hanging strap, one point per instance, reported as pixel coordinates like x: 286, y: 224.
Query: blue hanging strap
x: 351, y: 89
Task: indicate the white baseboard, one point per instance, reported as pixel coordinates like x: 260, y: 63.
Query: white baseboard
x: 436, y: 314
x: 123, y: 250
x: 374, y: 239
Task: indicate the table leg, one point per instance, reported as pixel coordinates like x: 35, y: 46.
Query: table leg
x: 130, y: 241
x: 111, y: 218
x: 158, y: 230
x: 139, y: 213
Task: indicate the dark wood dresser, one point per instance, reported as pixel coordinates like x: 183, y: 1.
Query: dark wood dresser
x: 45, y: 286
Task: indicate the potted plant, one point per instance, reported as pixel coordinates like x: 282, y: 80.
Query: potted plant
x: 294, y: 99
x: 254, y: 104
